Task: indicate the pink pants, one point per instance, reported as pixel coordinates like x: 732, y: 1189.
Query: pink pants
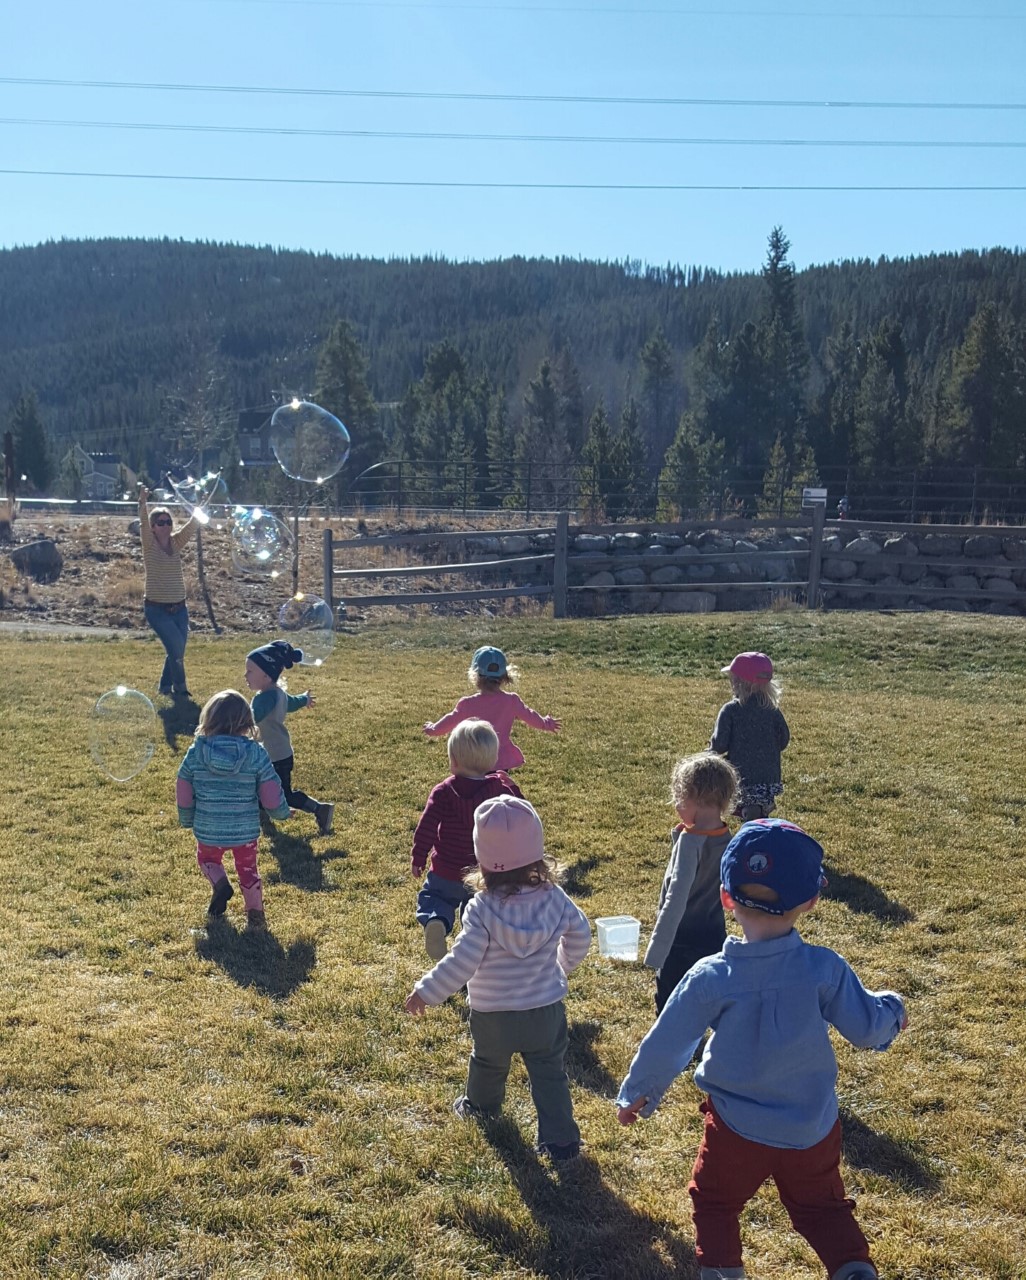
x: 730, y: 1169
x: 209, y: 857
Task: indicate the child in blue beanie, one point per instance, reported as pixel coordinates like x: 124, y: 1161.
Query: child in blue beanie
x: 768, y: 1068
x: 264, y: 667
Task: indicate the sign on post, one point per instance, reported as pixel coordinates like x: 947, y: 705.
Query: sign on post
x: 814, y: 497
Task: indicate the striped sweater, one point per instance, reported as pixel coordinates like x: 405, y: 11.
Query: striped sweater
x: 446, y: 827
x: 223, y: 783
x: 163, y: 575
x: 513, y: 952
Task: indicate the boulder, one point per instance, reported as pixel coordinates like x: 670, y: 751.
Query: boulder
x: 940, y: 544
x: 982, y: 546
x: 863, y: 546
x: 514, y: 544
x: 839, y: 570
x: 1001, y: 586
x: 655, y: 549
x: 667, y: 573
x: 630, y: 577
x: 591, y: 543
x: 1014, y: 549
x: 39, y: 560
x: 962, y: 582
x: 628, y: 541
x: 604, y: 579
x: 644, y: 601
x: 900, y: 546
x: 668, y: 540
x: 912, y: 572
x: 687, y: 602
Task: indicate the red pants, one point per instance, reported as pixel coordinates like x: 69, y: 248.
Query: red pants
x: 729, y: 1170
x: 209, y: 857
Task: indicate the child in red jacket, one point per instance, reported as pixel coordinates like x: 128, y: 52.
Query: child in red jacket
x: 446, y: 829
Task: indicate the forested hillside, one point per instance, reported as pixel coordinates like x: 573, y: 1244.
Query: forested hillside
x: 125, y: 345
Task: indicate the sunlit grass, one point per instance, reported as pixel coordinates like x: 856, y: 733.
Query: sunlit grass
x: 185, y: 1102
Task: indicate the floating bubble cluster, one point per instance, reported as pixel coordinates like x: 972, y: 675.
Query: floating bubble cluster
x: 205, y: 497
x: 261, y: 543
x: 122, y: 732
x: 309, y: 442
x: 310, y: 626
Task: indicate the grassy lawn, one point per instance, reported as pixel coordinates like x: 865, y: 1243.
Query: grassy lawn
x: 183, y: 1102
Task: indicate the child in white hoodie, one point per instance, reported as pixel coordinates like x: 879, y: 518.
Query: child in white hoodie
x: 521, y: 936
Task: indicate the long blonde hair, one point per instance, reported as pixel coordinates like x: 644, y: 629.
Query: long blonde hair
x: 226, y: 712
x: 766, y: 693
x: 506, y: 883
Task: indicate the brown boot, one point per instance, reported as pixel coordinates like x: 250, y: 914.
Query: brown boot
x: 256, y: 922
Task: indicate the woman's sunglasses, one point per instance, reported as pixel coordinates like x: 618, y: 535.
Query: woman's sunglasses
x: 161, y: 522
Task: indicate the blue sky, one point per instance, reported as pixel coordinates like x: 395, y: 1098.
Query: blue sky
x: 382, y: 55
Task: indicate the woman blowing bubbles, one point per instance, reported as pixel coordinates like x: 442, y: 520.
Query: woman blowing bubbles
x: 164, y: 590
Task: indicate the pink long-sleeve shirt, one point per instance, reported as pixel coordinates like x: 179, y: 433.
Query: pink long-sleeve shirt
x: 501, y: 710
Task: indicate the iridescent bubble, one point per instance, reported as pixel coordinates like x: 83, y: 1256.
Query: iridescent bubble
x: 309, y: 625
x: 205, y: 497
x: 122, y: 732
x: 261, y: 543
x: 309, y: 442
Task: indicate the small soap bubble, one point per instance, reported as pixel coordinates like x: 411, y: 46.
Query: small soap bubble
x: 261, y: 543
x: 309, y: 442
x: 309, y: 625
x: 122, y: 732
x: 205, y: 497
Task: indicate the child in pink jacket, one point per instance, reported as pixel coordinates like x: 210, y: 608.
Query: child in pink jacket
x: 491, y: 676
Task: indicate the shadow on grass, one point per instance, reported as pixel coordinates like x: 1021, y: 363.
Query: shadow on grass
x: 583, y: 1065
x: 179, y: 719
x: 575, y: 876
x: 861, y: 895
x: 257, y: 959
x: 298, y: 864
x: 582, y: 1227
x: 864, y: 1148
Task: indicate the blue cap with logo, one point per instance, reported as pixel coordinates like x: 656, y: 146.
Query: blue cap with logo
x: 777, y: 855
x: 489, y: 662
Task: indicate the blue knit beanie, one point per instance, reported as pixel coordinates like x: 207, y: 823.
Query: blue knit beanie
x: 273, y: 658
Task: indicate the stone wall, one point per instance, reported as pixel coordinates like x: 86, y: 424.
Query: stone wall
x: 910, y: 567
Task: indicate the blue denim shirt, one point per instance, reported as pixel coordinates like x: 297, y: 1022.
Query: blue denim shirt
x: 768, y: 1066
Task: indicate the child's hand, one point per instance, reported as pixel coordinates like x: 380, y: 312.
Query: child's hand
x: 904, y: 1022
x: 416, y: 871
x: 429, y: 725
x: 415, y: 1004
x: 629, y: 1115
x: 554, y: 724
x: 311, y: 701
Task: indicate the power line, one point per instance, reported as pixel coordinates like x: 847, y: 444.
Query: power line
x: 507, y: 186
x: 436, y: 136
x: 792, y: 103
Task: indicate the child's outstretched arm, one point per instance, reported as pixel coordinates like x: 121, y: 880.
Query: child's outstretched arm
x: 629, y: 1115
x: 667, y: 1049
x: 297, y: 701
x: 866, y: 1019
x: 426, y: 835
x: 534, y: 719
x: 438, y: 728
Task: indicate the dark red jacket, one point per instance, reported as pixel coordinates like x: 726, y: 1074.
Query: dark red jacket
x: 446, y: 827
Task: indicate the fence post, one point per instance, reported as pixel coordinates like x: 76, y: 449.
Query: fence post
x: 527, y: 495
x: 976, y: 477
x: 399, y: 490
x: 329, y: 565
x: 559, y: 564
x: 815, y: 555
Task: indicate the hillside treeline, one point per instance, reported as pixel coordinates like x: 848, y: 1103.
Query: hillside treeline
x: 664, y: 382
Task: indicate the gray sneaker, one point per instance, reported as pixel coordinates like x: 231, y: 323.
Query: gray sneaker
x: 435, y: 943
x: 325, y: 815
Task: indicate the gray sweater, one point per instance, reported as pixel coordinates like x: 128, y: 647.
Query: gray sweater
x: 752, y: 737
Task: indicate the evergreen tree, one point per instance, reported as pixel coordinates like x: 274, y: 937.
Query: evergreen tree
x: 598, y: 459
x: 632, y: 495
x: 689, y: 483
x: 981, y: 416
x: 31, y: 446
x: 341, y: 387
x: 657, y: 383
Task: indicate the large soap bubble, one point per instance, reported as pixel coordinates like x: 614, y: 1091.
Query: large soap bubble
x: 205, y: 497
x: 308, y: 622
x: 261, y: 543
x: 309, y: 442
x: 122, y: 732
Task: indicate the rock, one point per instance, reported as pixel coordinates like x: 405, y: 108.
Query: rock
x: 628, y: 541
x: 484, y: 546
x: 701, y: 572
x: 1002, y: 609
x: 38, y: 560
x: 1014, y: 549
x: 962, y: 582
x: 630, y: 577
x: 1001, y: 586
x: 591, y: 543
x: 687, y: 602
x: 604, y: 579
x: 940, y: 544
x: 839, y: 570
x: 514, y: 544
x: 982, y: 546
x: 644, y: 601
x: 133, y: 527
x: 669, y: 540
x: 667, y: 573
x: 832, y: 543
x: 655, y: 550
x: 863, y: 546
x: 900, y: 546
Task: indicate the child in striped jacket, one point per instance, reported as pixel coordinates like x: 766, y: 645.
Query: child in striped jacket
x: 521, y: 936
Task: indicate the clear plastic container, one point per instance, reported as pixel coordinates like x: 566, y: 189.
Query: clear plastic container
x: 618, y: 937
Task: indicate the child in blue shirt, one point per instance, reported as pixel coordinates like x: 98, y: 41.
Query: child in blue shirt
x: 768, y: 1068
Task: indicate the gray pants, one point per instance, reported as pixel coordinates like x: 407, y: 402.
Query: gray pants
x: 540, y: 1037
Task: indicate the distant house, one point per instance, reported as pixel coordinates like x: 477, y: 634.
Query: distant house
x: 255, y: 438
x: 104, y: 475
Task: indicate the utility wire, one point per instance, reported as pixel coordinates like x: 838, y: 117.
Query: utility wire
x: 285, y: 131
x: 484, y: 10
x: 792, y: 103
x: 507, y: 186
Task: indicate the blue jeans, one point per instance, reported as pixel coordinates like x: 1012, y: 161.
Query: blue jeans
x: 441, y: 899
x: 172, y: 630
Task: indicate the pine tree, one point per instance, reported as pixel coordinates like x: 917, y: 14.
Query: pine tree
x: 689, y: 483
x: 657, y: 391
x: 597, y: 457
x: 31, y: 446
x: 342, y: 388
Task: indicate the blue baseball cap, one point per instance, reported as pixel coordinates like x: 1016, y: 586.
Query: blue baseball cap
x: 778, y: 855
x: 489, y: 662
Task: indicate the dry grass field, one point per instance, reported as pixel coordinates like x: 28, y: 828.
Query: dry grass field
x: 194, y: 1103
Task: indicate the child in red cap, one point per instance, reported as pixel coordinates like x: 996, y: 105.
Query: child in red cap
x: 751, y: 732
